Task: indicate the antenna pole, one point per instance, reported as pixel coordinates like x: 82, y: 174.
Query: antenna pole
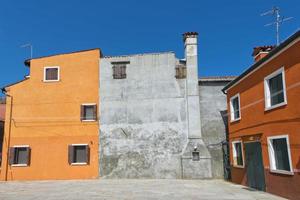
x: 278, y: 21
x: 277, y: 25
x: 31, y: 48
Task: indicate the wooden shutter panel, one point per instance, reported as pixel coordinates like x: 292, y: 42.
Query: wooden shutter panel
x: 95, y: 112
x: 82, y: 112
x: 11, y: 155
x: 70, y: 154
x: 28, y: 155
x: 87, y: 155
x: 123, y: 71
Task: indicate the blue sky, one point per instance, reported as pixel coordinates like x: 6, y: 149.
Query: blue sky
x: 228, y: 29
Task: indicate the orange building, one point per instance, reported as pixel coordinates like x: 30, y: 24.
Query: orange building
x: 264, y: 121
x: 51, y: 126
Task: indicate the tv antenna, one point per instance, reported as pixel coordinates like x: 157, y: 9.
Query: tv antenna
x: 30, y: 46
x: 278, y: 21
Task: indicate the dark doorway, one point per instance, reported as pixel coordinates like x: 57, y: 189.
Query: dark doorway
x: 254, y: 166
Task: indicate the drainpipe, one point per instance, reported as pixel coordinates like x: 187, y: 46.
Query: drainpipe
x: 9, y: 131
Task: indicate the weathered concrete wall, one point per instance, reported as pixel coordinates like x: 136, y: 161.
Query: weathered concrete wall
x: 143, y: 118
x: 212, y: 102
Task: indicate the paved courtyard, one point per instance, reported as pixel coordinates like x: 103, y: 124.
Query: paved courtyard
x: 128, y: 189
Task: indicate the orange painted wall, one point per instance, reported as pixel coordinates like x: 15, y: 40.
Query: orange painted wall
x: 284, y: 120
x: 46, y: 116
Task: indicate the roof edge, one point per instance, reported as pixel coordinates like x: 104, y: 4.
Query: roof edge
x: 256, y: 65
x: 27, y: 61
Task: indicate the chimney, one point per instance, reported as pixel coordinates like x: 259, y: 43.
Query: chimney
x: 261, y: 51
x: 193, y: 107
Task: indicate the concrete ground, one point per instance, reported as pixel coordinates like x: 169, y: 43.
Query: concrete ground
x: 128, y: 189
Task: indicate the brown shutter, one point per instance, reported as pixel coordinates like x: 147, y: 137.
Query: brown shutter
x: 123, y: 71
x: 11, y: 155
x: 28, y: 155
x: 70, y: 154
x: 87, y: 155
x: 82, y: 112
x: 95, y: 112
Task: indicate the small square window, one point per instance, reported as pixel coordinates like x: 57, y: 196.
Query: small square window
x: 279, y: 154
x: 119, y: 70
x: 180, y: 72
x: 79, y: 154
x: 19, y: 155
x: 88, y: 112
x: 238, y: 159
x: 51, y: 74
x: 235, y: 112
x: 275, y: 93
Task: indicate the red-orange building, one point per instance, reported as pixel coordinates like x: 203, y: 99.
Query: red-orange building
x: 264, y: 120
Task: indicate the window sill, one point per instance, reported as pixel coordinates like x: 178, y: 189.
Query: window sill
x: 235, y: 120
x: 281, y: 172
x: 275, y: 106
x: 88, y: 120
x: 50, y: 81
x: 78, y: 164
x: 19, y: 165
x: 239, y: 166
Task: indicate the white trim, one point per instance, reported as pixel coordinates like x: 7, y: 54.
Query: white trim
x: 268, y: 105
x: 20, y: 146
x: 81, y: 163
x: 232, y: 119
x: 272, y: 156
x: 234, y: 153
x: 58, y: 73
x: 89, y: 104
x: 79, y: 144
x: 19, y: 165
x: 264, y: 63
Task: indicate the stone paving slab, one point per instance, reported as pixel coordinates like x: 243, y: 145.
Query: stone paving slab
x: 129, y: 189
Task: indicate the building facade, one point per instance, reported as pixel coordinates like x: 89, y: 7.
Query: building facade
x: 264, y: 123
x: 151, y: 117
x: 51, y: 129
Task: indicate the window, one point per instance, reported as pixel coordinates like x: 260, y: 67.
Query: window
x: 51, y: 74
x: 19, y: 155
x: 238, y: 159
x: 275, y: 93
x: 119, y: 69
x: 279, y: 154
x: 88, y: 112
x: 180, y: 71
x: 235, y: 112
x: 79, y: 154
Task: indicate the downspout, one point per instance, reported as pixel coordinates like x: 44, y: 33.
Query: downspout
x: 9, y: 131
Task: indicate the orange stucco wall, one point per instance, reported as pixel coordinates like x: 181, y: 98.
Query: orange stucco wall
x: 284, y: 120
x: 46, y: 116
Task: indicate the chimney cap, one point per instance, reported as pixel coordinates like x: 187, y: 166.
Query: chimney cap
x: 189, y: 34
x: 266, y: 48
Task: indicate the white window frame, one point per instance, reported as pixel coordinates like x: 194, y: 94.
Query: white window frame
x: 268, y: 105
x: 234, y: 153
x: 272, y: 156
x: 232, y: 119
x: 20, y: 165
x: 58, y: 73
x: 90, y: 104
x: 79, y: 163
